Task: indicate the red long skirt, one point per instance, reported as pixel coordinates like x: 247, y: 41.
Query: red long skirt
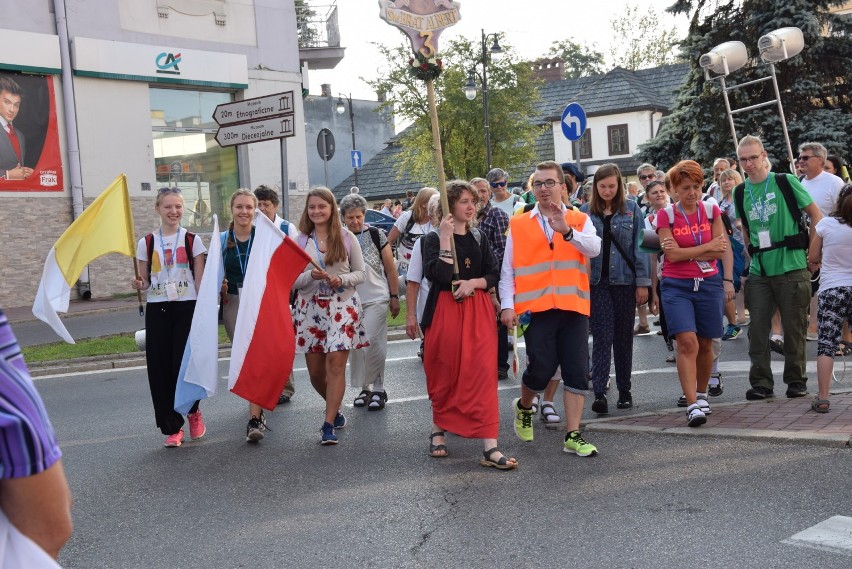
x: 460, y: 360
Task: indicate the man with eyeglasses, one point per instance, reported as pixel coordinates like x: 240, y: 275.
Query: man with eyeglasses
x: 824, y: 189
x: 778, y: 276
x: 719, y: 166
x: 544, y: 278
x: 503, y: 199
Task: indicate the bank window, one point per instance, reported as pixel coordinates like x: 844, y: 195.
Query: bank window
x: 586, y: 144
x: 187, y: 155
x: 617, y: 136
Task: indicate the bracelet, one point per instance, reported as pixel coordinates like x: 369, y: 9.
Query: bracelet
x: 729, y: 281
x: 444, y: 251
x: 396, y: 296
x: 445, y: 255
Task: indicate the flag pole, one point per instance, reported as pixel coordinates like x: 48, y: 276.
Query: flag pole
x: 131, y: 234
x: 138, y: 292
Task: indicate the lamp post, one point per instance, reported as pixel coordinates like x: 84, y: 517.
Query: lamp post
x: 728, y: 57
x: 340, y: 108
x: 470, y: 87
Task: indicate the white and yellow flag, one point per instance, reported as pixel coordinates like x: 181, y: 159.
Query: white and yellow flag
x: 106, y: 226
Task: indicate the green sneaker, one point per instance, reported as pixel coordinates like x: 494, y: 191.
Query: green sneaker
x: 523, y: 421
x: 578, y: 445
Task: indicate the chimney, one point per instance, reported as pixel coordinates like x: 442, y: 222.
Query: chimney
x: 381, y: 96
x: 549, y: 70
x: 325, y: 90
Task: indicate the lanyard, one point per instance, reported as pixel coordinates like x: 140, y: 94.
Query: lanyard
x: 761, y: 210
x: 243, y: 264
x: 695, y: 239
x: 548, y: 236
x: 319, y: 253
x: 166, y: 265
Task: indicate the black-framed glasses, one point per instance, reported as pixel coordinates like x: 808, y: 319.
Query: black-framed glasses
x: 746, y: 159
x: 648, y: 177
x: 166, y: 190
x: 803, y: 158
x: 547, y: 184
x: 498, y: 184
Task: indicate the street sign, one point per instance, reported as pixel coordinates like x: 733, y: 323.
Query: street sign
x: 573, y: 122
x: 355, y: 155
x: 325, y: 144
x: 259, y: 108
x: 257, y: 131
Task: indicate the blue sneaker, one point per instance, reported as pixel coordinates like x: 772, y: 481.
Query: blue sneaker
x: 339, y: 421
x: 732, y: 332
x: 328, y: 435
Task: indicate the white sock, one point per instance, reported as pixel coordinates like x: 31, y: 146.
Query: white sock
x: 714, y: 380
x: 700, y: 395
x: 776, y: 337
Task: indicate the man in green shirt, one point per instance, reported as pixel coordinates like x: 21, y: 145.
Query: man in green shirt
x: 778, y: 277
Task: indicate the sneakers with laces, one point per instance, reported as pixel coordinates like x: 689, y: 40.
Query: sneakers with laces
x: 695, y: 417
x: 174, y: 440
x: 255, y: 428
x: 731, y: 332
x: 329, y: 437
x: 578, y: 445
x: 197, y: 428
x: 523, y: 421
x: 339, y: 421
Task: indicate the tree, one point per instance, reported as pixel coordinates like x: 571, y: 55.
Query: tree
x: 642, y: 41
x: 513, y: 94
x: 579, y: 60
x: 814, y: 86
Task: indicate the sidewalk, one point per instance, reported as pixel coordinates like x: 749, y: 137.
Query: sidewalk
x: 76, y: 308
x: 787, y: 420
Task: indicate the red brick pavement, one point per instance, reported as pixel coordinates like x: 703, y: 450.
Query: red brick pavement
x: 780, y: 418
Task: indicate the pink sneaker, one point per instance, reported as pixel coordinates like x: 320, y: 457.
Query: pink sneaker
x: 174, y: 440
x: 197, y: 429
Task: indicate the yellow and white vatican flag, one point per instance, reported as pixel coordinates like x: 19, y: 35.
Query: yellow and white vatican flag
x: 106, y: 226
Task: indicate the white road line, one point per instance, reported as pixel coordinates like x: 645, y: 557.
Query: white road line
x: 425, y: 397
x: 833, y: 534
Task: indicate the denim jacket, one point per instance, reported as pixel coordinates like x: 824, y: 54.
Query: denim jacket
x: 627, y: 229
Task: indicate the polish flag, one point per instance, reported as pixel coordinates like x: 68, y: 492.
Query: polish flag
x: 264, y: 339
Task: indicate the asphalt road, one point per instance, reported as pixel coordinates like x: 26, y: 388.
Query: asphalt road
x: 378, y: 500
x: 80, y: 326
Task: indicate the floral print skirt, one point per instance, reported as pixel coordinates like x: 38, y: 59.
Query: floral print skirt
x: 328, y: 324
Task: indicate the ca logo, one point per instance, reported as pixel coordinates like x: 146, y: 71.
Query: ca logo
x: 168, y: 63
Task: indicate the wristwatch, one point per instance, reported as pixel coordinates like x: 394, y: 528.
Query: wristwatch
x: 396, y: 296
x: 569, y: 235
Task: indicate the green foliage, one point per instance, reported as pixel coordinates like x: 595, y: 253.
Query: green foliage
x: 640, y: 40
x: 814, y: 85
x: 513, y: 94
x: 580, y: 60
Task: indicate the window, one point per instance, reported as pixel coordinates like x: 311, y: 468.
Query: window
x: 586, y: 144
x: 617, y: 137
x: 187, y: 155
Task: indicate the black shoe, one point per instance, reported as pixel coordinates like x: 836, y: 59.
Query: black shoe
x: 502, y: 374
x: 758, y: 393
x: 681, y: 401
x: 283, y: 399
x: 717, y: 389
x: 625, y: 400
x: 776, y: 346
x: 600, y: 406
x: 796, y: 389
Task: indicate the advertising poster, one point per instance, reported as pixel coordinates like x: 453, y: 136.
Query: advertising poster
x: 29, y: 149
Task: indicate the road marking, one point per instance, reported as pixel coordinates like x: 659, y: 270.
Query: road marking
x: 833, y: 534
x: 425, y: 397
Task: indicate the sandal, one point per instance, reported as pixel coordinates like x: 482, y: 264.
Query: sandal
x: 502, y: 463
x: 361, y: 400
x: 548, y: 413
x: 820, y: 405
x: 377, y: 401
x: 845, y: 350
x: 535, y: 402
x: 433, y: 449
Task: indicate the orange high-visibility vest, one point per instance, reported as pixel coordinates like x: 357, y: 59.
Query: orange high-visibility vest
x: 548, y: 278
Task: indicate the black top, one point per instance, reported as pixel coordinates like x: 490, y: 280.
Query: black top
x: 606, y: 242
x: 475, y: 261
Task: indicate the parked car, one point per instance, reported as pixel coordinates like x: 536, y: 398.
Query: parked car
x: 380, y: 220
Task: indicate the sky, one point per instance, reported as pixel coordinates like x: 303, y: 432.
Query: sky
x: 528, y: 25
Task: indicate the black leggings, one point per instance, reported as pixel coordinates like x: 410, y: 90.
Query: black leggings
x: 166, y: 330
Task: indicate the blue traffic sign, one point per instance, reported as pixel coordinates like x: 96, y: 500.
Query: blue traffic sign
x: 356, y: 158
x: 573, y: 122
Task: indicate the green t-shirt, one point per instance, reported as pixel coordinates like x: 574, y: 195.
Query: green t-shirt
x: 234, y: 259
x: 766, y: 208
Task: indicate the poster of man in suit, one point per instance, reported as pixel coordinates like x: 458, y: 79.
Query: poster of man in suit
x: 29, y: 137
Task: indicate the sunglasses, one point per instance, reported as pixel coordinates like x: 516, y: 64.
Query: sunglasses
x: 498, y: 184
x: 804, y: 158
x: 647, y: 176
x: 169, y: 191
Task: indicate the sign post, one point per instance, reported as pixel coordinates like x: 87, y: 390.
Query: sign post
x: 325, y: 147
x: 574, y: 127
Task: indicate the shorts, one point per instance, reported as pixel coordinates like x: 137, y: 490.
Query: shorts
x: 690, y: 310
x: 557, y: 339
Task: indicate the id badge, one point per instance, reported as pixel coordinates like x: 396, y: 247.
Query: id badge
x: 764, y: 241
x: 324, y: 292
x: 705, y: 266
x: 171, y: 291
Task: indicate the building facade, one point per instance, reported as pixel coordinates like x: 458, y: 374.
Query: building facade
x: 130, y: 86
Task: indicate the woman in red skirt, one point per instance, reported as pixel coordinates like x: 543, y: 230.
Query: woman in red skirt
x: 460, y: 350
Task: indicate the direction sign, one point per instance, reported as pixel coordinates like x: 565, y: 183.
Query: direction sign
x: 259, y: 108
x: 573, y: 122
x: 355, y: 155
x: 257, y: 131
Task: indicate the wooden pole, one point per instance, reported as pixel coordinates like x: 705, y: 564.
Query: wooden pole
x: 138, y: 292
x: 439, y: 165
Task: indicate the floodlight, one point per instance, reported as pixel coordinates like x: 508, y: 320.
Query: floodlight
x: 781, y: 44
x: 725, y: 58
